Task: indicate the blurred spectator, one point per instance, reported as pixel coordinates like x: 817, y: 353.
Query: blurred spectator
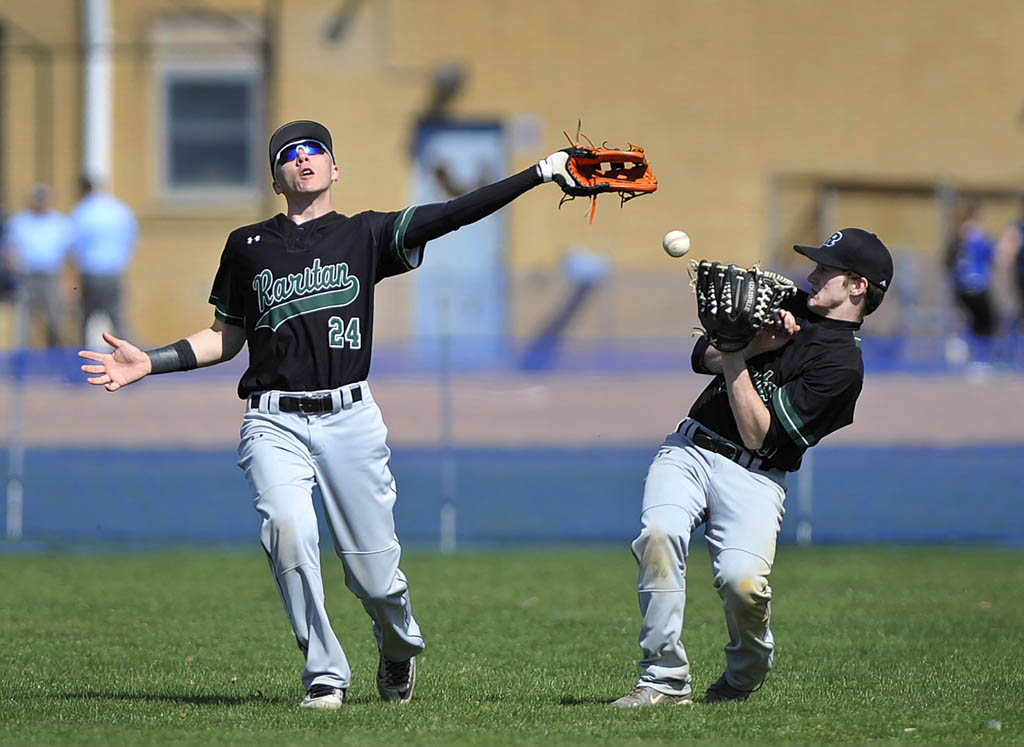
x: 105, y: 237
x: 1010, y: 253
x: 8, y: 278
x: 37, y: 241
x: 970, y: 257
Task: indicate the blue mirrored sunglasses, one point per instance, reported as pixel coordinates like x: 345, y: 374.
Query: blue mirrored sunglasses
x: 291, y: 151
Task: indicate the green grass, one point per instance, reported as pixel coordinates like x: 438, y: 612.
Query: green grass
x: 914, y: 646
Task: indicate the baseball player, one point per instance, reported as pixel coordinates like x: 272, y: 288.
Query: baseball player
x: 725, y: 466
x: 298, y: 288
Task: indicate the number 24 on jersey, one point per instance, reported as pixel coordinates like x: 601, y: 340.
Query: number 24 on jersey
x: 340, y: 332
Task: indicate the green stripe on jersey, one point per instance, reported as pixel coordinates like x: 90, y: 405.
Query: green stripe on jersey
x: 789, y: 418
x: 398, y: 235
x: 238, y: 321
x: 275, y: 317
x: 856, y: 337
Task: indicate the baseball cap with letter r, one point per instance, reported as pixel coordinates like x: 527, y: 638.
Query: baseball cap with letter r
x: 855, y: 250
x: 300, y: 129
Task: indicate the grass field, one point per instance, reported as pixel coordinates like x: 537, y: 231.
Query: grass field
x: 899, y: 645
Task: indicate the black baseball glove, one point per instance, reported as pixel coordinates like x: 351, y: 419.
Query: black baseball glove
x: 735, y: 303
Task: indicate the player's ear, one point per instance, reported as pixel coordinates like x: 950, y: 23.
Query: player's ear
x: 858, y: 285
x: 335, y: 172
x: 277, y: 187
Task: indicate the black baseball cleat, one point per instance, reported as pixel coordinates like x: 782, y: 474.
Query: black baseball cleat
x: 324, y: 698
x: 396, y: 679
x: 722, y: 692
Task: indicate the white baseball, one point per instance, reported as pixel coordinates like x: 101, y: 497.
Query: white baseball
x: 676, y: 243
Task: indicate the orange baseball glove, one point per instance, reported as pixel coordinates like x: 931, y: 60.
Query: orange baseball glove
x: 583, y: 171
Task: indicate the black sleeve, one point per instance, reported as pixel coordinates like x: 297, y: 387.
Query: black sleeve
x: 438, y: 218
x: 818, y: 402
x: 396, y: 256
x: 227, y: 302
x: 697, y: 356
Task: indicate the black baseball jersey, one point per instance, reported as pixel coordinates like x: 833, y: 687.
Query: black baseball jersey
x: 810, y: 386
x: 304, y: 294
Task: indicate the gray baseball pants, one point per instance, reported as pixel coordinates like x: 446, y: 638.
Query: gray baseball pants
x: 345, y: 454
x: 742, y: 511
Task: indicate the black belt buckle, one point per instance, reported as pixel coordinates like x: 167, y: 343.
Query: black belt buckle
x: 718, y: 445
x: 728, y: 450
x: 315, y: 405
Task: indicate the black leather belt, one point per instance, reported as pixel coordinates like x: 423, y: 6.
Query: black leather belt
x: 718, y: 445
x: 315, y: 405
x: 726, y: 448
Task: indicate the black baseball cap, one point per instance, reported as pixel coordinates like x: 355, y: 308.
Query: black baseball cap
x: 855, y: 250
x: 300, y: 129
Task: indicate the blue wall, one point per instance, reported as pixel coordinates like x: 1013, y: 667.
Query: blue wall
x: 861, y: 494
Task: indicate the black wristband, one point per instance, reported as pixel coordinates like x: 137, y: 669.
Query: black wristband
x: 177, y: 357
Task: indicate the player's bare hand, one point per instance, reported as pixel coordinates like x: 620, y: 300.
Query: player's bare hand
x: 125, y: 365
x: 788, y: 322
x: 774, y: 337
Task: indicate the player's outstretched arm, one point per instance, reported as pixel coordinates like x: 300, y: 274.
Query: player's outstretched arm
x: 435, y: 219
x: 127, y: 363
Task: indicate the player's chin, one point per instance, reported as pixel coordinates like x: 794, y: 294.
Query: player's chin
x: 310, y: 186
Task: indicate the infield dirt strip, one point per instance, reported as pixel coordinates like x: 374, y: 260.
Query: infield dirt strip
x: 510, y: 410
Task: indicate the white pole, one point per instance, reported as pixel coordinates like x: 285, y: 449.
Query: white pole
x: 97, y: 91
x: 16, y: 445
x: 447, y: 430
x: 805, y: 499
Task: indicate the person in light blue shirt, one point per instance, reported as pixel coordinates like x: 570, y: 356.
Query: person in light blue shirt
x: 105, y: 234
x: 36, y: 245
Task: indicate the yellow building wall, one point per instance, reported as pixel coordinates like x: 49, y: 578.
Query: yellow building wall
x: 722, y: 94
x: 38, y: 52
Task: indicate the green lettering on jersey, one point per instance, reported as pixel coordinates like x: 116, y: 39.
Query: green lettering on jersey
x: 272, y: 291
x: 317, y: 288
